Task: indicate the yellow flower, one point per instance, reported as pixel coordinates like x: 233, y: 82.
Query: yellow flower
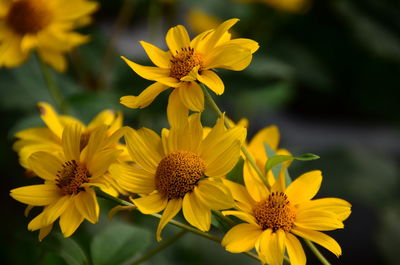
x: 293, y: 6
x: 68, y: 179
x: 200, y: 21
x: 181, y: 169
x: 268, y: 135
x: 189, y: 62
x: 49, y: 138
x: 46, y: 26
x: 273, y: 218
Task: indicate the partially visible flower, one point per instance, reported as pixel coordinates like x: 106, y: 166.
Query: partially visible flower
x: 49, y: 138
x: 41, y: 25
x: 257, y: 148
x: 181, y: 169
x: 199, y: 21
x: 68, y: 176
x: 273, y: 219
x: 188, y: 62
x: 293, y: 6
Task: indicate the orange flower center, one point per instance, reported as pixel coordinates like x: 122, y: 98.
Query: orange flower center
x: 275, y: 212
x: 178, y: 174
x: 28, y: 16
x: 184, y: 61
x: 71, y: 177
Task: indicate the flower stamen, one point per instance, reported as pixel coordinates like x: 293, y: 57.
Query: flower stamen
x: 71, y: 177
x: 178, y: 173
x: 184, y: 61
x: 275, y: 212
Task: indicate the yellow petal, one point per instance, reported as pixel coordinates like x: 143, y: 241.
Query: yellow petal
x: 242, y: 215
x: 29, y: 42
x: 152, y: 140
x: 177, y: 113
x: 133, y: 178
x: 45, y: 165
x: 195, y: 212
x: 50, y: 117
x: 101, y: 161
x: 214, y: 195
x: 177, y: 38
x: 71, y: 141
x: 145, y: 98
x: 272, y: 245
x: 228, y: 56
x: 96, y: 143
x: 37, y: 222
x: 340, y: 207
x: 218, y: 33
x: 220, y: 165
x: 241, y: 238
x: 37, y: 195
x: 221, y: 149
x: 156, y: 55
x: 75, y: 9
x: 246, y: 43
x: 37, y: 134
x: 53, y: 58
x: 119, y: 208
x: 192, y: 96
x: 153, y: 203
x: 86, y: 204
x: 44, y: 231
x: 172, y: 209
x: 269, y: 135
x: 192, y: 75
x: 212, y: 81
x: 295, y: 250
x: 254, y: 185
x: 141, y: 151
x: 54, y: 210
x: 318, y: 220
x: 200, y: 40
x: 70, y: 220
x: 196, y: 132
x: 11, y: 54
x: 153, y: 73
x: 320, y: 238
x: 239, y: 193
x: 305, y: 187
x: 104, y: 117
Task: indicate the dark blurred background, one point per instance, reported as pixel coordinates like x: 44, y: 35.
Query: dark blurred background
x: 327, y: 74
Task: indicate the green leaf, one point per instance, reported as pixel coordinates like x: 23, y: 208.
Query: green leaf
x: 118, y: 243
x: 279, y: 159
x: 306, y: 157
x: 276, y: 160
x: 236, y: 174
x: 67, y: 249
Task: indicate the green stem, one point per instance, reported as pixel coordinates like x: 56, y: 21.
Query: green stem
x: 164, y: 244
x: 51, y: 86
x: 316, y: 252
x: 109, y: 197
x: 215, y: 107
x: 226, y: 219
x: 106, y: 196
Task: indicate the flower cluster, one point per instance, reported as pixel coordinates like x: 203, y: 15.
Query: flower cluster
x: 44, y: 26
x: 186, y: 166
